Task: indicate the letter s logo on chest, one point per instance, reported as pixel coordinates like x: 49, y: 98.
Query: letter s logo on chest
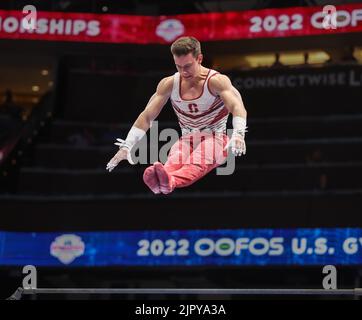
x: 193, y: 107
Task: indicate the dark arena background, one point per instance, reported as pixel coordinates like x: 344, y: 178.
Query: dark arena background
x: 79, y: 79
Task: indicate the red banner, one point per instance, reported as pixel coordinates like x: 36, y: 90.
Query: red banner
x: 108, y: 28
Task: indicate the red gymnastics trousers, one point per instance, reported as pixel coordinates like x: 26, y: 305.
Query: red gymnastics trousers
x: 193, y: 156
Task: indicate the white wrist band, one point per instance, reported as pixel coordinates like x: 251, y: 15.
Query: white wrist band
x: 239, y: 125
x: 134, y: 135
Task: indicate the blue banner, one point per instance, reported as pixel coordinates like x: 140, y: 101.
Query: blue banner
x: 239, y: 247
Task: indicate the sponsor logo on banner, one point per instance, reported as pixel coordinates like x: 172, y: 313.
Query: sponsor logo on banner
x: 229, y: 247
x: 67, y: 248
x: 170, y: 29
x: 304, y: 78
x: 214, y: 26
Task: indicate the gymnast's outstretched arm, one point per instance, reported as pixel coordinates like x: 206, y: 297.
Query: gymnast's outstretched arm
x: 143, y: 122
